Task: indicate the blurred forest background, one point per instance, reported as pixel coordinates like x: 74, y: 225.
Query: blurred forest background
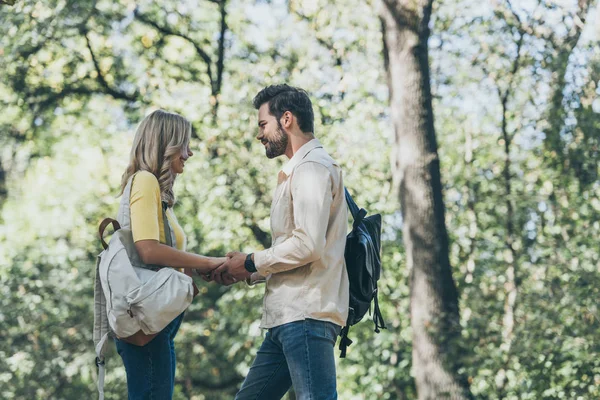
x: 516, y: 103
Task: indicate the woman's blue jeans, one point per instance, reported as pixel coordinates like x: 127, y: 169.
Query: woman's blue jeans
x: 298, y: 353
x: 151, y: 368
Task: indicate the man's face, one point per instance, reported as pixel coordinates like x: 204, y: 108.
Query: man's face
x: 270, y: 133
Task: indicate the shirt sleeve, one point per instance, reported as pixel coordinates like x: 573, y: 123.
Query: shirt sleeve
x: 255, y: 279
x: 311, y: 197
x: 145, y: 207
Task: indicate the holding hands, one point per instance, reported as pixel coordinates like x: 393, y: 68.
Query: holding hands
x: 230, y: 271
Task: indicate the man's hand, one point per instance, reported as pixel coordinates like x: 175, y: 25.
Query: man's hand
x: 232, y: 270
x: 215, y: 263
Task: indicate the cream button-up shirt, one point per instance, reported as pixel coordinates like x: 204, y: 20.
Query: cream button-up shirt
x: 304, y: 268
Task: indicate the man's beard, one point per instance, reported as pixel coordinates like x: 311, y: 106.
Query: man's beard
x: 277, y: 146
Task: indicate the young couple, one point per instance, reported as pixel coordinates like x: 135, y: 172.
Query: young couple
x: 306, y: 295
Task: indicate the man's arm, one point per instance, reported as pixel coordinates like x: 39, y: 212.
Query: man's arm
x: 312, y: 198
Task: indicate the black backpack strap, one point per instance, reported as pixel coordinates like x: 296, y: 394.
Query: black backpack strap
x: 344, y: 341
x: 377, y: 317
x: 357, y: 213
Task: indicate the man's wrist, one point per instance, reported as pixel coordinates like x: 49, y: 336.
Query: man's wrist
x: 249, y: 263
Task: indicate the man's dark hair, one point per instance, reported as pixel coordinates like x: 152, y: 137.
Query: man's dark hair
x: 282, y: 98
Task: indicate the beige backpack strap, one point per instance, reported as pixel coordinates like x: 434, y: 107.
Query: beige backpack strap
x: 101, y: 328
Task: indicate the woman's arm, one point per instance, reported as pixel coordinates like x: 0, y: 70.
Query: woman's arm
x: 154, y: 252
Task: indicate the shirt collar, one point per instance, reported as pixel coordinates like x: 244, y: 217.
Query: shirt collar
x: 299, y: 155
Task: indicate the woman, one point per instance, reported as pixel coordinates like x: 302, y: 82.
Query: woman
x: 160, y: 151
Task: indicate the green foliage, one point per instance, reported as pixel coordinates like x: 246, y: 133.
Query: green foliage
x: 554, y: 193
x: 79, y: 75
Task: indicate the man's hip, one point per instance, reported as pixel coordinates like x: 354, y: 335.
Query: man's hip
x: 299, y: 353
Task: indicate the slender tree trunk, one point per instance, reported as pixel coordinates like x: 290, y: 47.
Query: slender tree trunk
x: 3, y: 184
x: 434, y: 299
x: 470, y: 193
x: 510, y: 286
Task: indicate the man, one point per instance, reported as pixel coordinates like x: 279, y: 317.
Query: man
x: 307, y: 290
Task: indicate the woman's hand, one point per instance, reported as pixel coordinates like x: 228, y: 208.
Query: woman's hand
x: 212, y: 263
x: 216, y: 262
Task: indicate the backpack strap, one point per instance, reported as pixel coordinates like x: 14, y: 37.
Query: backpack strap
x: 345, y: 341
x: 100, y: 348
x: 105, y: 222
x: 357, y: 214
x: 169, y: 239
x: 377, y: 316
x: 125, y: 218
x: 101, y: 329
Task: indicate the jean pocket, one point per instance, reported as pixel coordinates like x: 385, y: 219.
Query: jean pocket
x: 332, y: 330
x: 325, y: 329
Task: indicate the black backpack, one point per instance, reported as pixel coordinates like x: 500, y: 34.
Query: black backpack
x: 363, y: 262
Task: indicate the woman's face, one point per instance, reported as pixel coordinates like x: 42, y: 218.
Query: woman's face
x: 179, y: 161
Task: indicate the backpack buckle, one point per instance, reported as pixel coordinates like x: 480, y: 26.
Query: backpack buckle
x: 130, y: 313
x: 99, y: 362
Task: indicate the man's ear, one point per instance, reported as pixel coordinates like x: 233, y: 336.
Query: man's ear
x: 287, y: 119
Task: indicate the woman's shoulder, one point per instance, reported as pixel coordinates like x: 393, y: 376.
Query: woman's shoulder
x: 145, y: 177
x: 145, y: 181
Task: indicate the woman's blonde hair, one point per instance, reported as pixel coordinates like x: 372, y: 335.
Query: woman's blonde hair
x: 159, y: 137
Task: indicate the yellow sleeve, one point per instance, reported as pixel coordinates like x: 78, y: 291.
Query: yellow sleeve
x: 145, y: 205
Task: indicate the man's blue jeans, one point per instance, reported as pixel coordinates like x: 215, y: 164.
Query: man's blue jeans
x: 298, y: 353
x: 151, y: 368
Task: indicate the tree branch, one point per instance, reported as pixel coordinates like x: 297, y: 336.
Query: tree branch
x: 216, y: 87
x: 55, y: 97
x: 100, y: 77
x: 169, y: 32
x: 221, y: 57
x: 328, y: 45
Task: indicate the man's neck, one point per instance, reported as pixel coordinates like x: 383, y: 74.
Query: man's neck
x: 296, y: 142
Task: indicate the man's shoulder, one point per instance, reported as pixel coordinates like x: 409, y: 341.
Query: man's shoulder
x: 320, y: 156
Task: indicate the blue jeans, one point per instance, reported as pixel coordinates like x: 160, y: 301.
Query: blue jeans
x: 151, y: 368
x: 298, y: 353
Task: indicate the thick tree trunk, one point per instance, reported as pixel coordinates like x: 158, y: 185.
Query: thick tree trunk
x: 434, y: 299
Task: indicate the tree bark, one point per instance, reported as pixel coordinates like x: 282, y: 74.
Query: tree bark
x: 434, y: 298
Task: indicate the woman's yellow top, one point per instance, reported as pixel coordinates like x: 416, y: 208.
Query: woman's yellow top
x: 146, y: 212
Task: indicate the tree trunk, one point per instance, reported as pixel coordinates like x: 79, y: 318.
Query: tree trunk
x: 434, y: 299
